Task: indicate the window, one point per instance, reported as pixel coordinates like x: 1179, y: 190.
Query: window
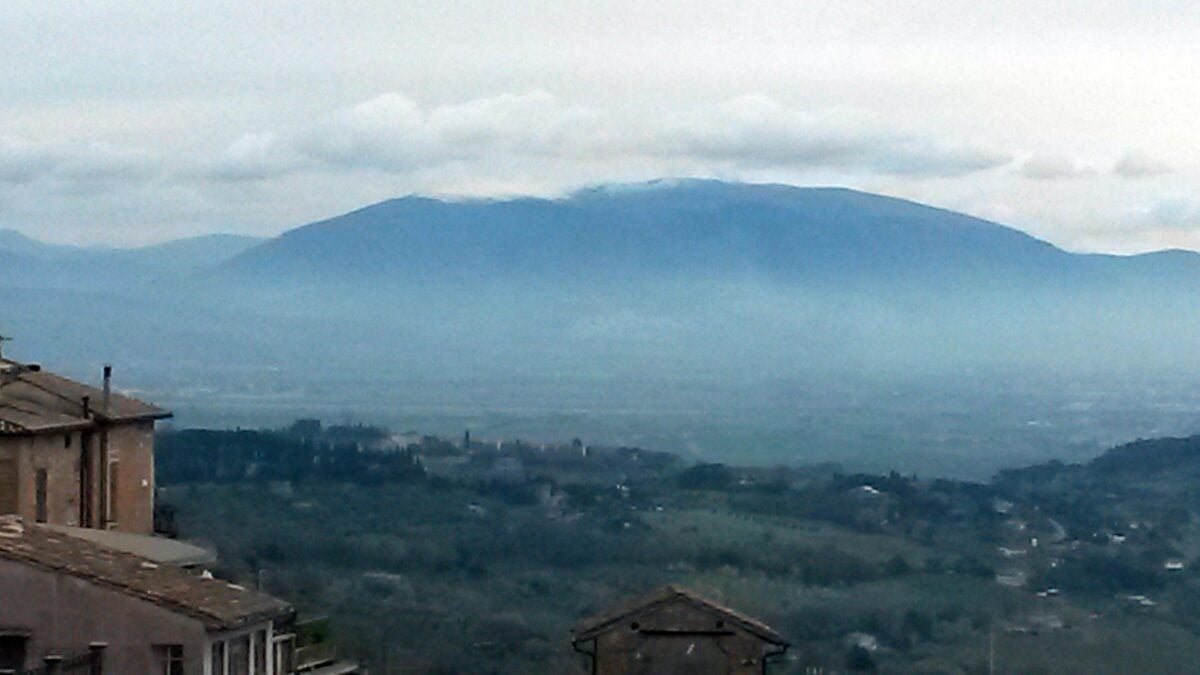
x: 12, y: 653
x: 260, y: 652
x: 67, y: 440
x: 284, y: 646
x: 8, y: 486
x: 168, y: 659
x: 239, y: 655
x: 217, y: 653
x: 114, y: 516
x: 40, y: 493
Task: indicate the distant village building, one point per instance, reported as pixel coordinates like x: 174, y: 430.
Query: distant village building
x: 676, y: 631
x: 76, y: 455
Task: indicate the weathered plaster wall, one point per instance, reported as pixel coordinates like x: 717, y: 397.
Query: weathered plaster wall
x: 65, y: 614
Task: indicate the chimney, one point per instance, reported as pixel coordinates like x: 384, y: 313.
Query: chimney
x: 107, y: 389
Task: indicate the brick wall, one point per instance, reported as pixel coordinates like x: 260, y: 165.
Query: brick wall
x: 130, y: 447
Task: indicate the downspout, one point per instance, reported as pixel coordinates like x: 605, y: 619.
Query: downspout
x: 591, y: 655
x: 87, y: 495
x: 105, y: 498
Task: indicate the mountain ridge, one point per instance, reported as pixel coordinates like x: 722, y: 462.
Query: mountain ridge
x: 672, y: 226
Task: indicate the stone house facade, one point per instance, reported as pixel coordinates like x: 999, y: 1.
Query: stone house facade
x: 676, y: 631
x: 73, y: 454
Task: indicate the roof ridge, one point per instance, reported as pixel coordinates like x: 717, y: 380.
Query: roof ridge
x: 588, y: 628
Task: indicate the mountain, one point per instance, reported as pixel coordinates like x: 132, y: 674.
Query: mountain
x: 712, y: 318
x: 692, y: 227
x: 707, y: 228
x: 12, y: 241
x: 31, y: 263
x: 691, y: 274
x: 184, y: 255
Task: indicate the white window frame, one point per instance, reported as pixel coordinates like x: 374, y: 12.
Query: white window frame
x: 251, y: 632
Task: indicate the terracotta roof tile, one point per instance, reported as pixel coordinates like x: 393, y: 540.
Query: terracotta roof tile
x: 35, y: 401
x: 218, y: 604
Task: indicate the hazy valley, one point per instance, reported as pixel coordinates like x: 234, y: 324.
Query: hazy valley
x: 752, y: 323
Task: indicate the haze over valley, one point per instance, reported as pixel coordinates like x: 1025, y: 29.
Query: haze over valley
x: 749, y: 323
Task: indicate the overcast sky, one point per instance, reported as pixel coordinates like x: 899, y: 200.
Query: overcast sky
x: 128, y: 122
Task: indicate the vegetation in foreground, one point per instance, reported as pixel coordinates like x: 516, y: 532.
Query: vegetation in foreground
x: 433, y: 556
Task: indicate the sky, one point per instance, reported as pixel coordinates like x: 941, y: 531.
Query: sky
x: 132, y: 122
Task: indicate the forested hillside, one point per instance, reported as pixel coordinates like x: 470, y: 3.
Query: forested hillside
x: 478, y: 557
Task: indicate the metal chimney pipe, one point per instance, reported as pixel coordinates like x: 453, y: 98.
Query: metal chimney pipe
x: 107, y: 389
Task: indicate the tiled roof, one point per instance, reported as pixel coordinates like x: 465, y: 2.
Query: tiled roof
x: 590, y: 628
x: 218, y: 604
x: 35, y: 401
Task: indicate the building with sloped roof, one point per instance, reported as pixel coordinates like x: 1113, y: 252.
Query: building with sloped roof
x: 73, y: 454
x: 675, y: 630
x: 63, y: 594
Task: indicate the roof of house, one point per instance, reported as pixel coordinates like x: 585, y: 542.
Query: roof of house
x: 34, y: 401
x: 619, y: 613
x: 153, y: 547
x: 219, y: 605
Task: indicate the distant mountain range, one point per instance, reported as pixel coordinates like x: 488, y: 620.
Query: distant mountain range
x: 662, y: 282
x: 704, y: 228
x: 673, y: 274
x: 670, y: 227
x: 31, y: 263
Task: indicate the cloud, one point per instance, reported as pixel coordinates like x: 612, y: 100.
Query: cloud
x: 756, y: 131
x: 73, y: 165
x: 253, y: 157
x: 1052, y: 167
x: 1139, y: 165
x: 392, y: 134
x: 1175, y: 214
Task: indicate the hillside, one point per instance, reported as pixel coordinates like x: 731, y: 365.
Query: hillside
x: 426, y: 548
x: 28, y: 263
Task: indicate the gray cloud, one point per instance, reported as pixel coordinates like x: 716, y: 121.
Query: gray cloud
x: 1051, y: 167
x: 757, y: 131
x: 1176, y: 214
x: 393, y: 134
x: 1140, y: 165
x: 263, y: 131
x: 75, y: 164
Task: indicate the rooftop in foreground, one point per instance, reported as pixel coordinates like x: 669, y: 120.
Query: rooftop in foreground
x: 35, y: 401
x: 218, y: 604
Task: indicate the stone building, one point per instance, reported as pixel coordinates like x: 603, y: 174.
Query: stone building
x: 85, y: 586
x: 675, y: 632
x: 75, y: 455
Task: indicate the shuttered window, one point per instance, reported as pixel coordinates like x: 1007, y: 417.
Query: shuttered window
x: 114, y: 494
x: 40, y: 491
x: 8, y: 486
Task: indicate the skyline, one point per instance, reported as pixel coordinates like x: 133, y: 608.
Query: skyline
x: 127, y: 124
